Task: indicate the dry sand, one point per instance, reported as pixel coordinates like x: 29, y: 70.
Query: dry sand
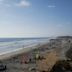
x: 14, y: 60
x: 49, y: 61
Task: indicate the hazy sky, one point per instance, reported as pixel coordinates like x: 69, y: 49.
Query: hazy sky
x: 35, y: 18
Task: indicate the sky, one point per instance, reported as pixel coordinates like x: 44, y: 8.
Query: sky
x: 35, y: 18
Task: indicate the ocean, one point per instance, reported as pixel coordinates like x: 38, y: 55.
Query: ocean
x: 8, y: 45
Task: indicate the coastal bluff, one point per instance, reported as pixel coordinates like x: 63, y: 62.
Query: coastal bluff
x: 44, y: 58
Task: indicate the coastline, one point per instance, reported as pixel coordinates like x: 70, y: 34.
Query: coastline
x: 37, y: 58
x: 19, y: 51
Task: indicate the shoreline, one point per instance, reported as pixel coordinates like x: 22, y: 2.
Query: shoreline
x: 16, y: 52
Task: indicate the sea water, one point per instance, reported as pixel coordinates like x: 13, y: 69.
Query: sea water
x: 13, y: 44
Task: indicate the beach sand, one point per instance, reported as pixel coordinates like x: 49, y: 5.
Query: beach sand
x: 35, y: 59
x: 15, y: 61
x: 49, y: 61
x: 16, y: 52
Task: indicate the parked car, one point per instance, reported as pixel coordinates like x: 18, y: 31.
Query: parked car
x: 3, y: 67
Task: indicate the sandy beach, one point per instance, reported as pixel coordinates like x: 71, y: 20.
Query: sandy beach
x: 24, y: 60
x: 17, y: 52
x: 15, y: 61
x: 40, y: 58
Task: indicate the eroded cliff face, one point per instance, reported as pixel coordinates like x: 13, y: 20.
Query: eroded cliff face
x: 62, y: 66
x: 61, y: 45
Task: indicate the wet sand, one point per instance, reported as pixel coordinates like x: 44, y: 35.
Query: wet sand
x: 16, y: 52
